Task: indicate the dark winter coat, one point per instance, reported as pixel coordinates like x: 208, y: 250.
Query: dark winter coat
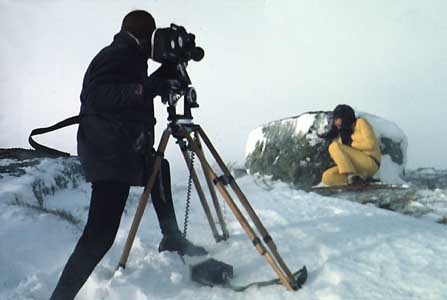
x: 115, y: 135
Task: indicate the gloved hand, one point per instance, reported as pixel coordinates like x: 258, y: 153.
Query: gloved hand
x: 163, y: 80
x: 154, y: 85
x: 345, y: 134
x: 331, y: 134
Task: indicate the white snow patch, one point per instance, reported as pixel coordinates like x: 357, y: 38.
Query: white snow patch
x: 302, y: 123
x: 6, y: 162
x: 389, y: 172
x: 352, y: 251
x: 254, y: 137
x: 385, y: 128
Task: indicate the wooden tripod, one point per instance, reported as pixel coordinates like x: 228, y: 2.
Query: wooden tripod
x: 183, y: 132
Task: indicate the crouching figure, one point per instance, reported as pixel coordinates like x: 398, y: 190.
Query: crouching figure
x: 354, y: 149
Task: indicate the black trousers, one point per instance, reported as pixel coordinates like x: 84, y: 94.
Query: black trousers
x: 106, y: 207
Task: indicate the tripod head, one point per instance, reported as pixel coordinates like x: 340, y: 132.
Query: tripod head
x: 180, y: 87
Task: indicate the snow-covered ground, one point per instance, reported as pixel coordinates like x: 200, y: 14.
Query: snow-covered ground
x: 352, y: 251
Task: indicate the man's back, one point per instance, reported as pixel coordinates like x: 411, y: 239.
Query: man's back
x: 116, y: 129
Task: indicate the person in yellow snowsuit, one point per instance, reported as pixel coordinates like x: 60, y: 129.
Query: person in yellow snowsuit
x: 354, y: 149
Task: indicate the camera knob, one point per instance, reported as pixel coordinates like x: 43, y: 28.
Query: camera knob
x: 191, y: 96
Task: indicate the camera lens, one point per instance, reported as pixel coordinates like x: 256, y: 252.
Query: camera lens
x: 180, y: 42
x: 197, y: 54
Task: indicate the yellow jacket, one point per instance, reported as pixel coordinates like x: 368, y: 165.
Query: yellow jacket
x: 365, y: 140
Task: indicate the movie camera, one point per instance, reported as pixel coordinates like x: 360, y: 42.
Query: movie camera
x: 174, y: 47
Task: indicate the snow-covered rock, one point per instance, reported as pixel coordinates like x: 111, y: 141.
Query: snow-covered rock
x: 290, y: 149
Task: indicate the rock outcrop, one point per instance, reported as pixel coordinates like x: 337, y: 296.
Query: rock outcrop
x: 290, y: 149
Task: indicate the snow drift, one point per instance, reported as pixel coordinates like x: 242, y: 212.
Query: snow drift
x: 352, y: 251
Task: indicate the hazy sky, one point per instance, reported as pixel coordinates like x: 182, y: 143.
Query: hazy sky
x: 265, y: 60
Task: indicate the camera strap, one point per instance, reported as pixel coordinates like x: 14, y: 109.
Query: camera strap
x: 127, y: 116
x: 47, y: 150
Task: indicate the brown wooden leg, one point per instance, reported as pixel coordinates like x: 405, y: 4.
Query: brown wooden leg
x: 245, y: 203
x: 144, y: 199
x: 212, y: 190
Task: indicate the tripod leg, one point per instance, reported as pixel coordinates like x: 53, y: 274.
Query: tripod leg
x: 144, y: 198
x: 244, y: 201
x: 199, y: 190
x: 212, y: 190
x: 240, y: 217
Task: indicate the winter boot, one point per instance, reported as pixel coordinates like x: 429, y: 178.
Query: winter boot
x: 181, y: 245
x: 354, y: 179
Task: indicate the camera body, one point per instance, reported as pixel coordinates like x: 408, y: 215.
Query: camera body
x: 174, y: 45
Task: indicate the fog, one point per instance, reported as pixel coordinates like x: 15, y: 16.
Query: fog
x: 265, y: 60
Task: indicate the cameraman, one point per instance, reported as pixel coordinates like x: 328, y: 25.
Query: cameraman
x: 115, y: 146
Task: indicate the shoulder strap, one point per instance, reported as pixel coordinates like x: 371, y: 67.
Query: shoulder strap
x: 41, y: 148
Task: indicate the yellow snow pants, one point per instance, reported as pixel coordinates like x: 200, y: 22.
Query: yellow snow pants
x: 348, y: 160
